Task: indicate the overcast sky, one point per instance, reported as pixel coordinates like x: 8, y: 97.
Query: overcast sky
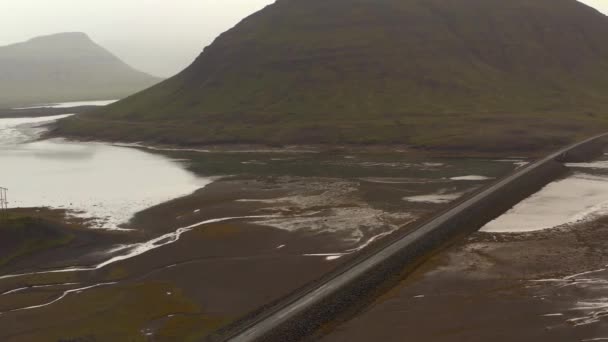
x: 157, y: 36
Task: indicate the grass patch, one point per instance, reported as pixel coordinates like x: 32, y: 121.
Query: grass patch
x: 22, y: 235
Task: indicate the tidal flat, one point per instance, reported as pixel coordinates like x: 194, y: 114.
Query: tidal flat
x: 261, y: 225
x: 536, y: 273
x: 535, y: 286
x: 228, y: 248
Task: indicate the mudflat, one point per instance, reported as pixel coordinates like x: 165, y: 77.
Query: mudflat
x: 263, y: 224
x: 537, y: 286
x: 232, y: 260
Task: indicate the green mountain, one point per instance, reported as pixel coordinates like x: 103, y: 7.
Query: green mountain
x: 65, y: 67
x: 462, y: 74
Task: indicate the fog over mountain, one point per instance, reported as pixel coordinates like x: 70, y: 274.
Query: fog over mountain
x: 156, y: 36
x: 65, y: 67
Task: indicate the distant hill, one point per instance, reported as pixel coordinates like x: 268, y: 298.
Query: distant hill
x: 65, y: 67
x: 462, y: 74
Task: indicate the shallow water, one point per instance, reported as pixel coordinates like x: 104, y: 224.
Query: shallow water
x: 581, y: 196
x: 439, y: 197
x: 20, y: 130
x: 471, y: 178
x: 389, y: 168
x: 94, y: 180
x: 71, y: 104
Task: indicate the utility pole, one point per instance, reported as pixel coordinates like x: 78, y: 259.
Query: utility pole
x: 4, y: 201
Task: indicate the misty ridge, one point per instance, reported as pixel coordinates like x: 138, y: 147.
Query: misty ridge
x: 65, y: 67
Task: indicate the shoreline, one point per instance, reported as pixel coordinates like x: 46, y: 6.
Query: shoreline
x: 309, y: 148
x: 12, y: 113
x: 478, y: 151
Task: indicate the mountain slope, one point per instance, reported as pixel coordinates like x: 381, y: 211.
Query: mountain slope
x: 64, y: 67
x: 442, y: 73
